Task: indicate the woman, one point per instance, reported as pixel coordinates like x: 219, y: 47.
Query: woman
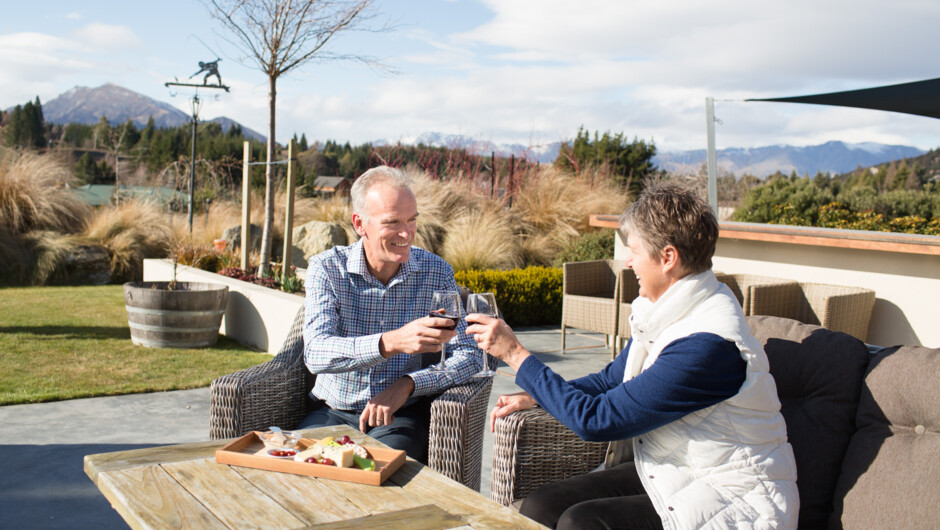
x: 693, y: 391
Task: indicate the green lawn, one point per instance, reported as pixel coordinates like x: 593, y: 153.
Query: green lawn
x: 69, y: 342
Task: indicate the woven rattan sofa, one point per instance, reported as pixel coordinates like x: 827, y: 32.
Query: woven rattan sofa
x: 589, y: 298
x: 276, y: 393
x: 864, y: 424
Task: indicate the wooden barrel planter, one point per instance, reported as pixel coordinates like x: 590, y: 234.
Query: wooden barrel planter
x: 187, y: 316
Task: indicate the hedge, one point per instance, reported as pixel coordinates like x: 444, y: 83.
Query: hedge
x: 526, y: 297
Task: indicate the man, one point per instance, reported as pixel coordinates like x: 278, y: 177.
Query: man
x: 693, y: 391
x: 367, y: 325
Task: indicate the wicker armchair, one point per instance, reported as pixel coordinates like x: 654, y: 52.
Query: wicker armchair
x: 275, y: 393
x: 589, y: 298
x: 628, y: 291
x: 762, y: 295
x: 834, y: 307
x: 531, y: 448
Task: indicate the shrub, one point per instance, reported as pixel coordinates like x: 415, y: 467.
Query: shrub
x: 526, y: 297
x: 590, y: 246
x: 33, y: 195
x: 131, y: 231
x: 482, y: 239
x: 782, y: 199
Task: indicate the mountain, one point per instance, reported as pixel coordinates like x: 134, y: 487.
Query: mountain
x: 546, y: 153
x: 228, y: 123
x: 832, y: 157
x: 87, y: 105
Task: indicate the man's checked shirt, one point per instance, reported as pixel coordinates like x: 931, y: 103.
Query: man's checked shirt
x: 347, y: 310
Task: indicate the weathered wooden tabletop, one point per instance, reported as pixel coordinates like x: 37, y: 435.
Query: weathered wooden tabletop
x: 181, y: 486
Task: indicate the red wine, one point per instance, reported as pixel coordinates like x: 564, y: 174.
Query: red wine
x: 441, y: 314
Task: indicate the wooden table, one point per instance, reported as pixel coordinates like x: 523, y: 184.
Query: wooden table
x: 181, y: 486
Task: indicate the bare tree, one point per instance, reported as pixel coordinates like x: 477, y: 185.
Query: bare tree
x: 277, y: 36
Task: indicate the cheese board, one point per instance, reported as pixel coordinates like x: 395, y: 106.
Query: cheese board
x: 250, y: 451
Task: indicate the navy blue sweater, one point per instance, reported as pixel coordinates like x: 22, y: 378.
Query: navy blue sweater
x: 690, y: 374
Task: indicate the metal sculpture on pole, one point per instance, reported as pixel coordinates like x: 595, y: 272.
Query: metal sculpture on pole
x: 211, y: 69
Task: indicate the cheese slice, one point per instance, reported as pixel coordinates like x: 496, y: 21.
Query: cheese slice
x: 307, y: 453
x: 342, y: 455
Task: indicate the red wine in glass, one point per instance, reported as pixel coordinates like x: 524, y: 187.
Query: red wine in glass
x: 442, y: 314
x: 445, y: 304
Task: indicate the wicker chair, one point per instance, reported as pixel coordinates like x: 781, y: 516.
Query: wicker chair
x: 834, y: 307
x: 531, y: 448
x: 589, y: 298
x: 628, y: 291
x: 275, y: 393
x: 762, y: 295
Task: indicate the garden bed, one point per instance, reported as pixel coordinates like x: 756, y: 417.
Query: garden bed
x: 256, y: 316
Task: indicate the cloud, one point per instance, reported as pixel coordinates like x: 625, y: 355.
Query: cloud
x: 104, y: 37
x: 73, y: 16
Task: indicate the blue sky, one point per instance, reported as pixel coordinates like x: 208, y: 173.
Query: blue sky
x: 524, y: 71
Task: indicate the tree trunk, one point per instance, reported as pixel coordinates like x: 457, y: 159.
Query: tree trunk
x: 267, y: 235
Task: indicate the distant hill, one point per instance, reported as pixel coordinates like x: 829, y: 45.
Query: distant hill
x: 832, y: 157
x: 87, y: 105
x: 546, y: 153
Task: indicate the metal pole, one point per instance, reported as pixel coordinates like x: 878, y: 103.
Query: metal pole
x: 246, y: 204
x: 712, y: 164
x: 192, y: 169
x: 286, y: 261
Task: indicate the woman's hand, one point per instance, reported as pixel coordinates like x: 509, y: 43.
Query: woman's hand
x: 496, y: 338
x: 509, y: 403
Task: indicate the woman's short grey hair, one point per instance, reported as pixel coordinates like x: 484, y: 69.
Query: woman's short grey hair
x: 670, y: 215
x: 389, y: 176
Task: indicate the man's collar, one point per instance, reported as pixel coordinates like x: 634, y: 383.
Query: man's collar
x: 356, y: 264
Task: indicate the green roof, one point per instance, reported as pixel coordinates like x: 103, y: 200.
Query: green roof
x: 101, y: 194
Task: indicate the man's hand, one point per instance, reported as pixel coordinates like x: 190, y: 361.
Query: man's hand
x: 380, y: 410
x: 496, y: 338
x: 509, y: 403
x: 417, y: 336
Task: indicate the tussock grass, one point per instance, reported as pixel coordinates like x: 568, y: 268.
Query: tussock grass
x: 131, y: 231
x: 48, y: 250
x: 33, y: 194
x: 482, y: 239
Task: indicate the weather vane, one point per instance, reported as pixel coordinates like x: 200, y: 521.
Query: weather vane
x: 211, y: 69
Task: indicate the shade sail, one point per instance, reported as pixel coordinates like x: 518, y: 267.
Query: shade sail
x: 920, y: 97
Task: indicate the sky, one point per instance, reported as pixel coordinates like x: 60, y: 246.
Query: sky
x: 511, y: 71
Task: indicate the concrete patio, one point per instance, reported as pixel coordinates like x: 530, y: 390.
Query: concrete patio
x: 42, y: 482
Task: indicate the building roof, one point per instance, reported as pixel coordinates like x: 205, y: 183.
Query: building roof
x: 101, y: 194
x: 328, y: 183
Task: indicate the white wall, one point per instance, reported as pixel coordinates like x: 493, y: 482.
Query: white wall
x: 906, y: 285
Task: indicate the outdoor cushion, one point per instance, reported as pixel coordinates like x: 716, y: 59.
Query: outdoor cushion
x: 891, y: 470
x: 819, y: 376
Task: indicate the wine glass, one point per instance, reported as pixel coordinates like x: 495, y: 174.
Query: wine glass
x: 484, y: 304
x: 445, y: 304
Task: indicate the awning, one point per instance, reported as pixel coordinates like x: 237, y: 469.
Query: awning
x: 921, y: 98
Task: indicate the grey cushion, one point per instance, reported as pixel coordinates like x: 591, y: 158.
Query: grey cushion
x: 819, y: 377
x: 891, y: 470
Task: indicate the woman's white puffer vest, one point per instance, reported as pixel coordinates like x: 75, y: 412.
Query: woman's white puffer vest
x: 729, y: 465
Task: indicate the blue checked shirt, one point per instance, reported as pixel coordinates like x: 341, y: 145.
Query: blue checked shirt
x: 346, y: 312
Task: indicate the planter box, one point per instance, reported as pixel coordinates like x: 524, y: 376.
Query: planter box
x: 255, y: 316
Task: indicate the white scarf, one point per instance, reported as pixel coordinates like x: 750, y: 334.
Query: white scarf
x: 649, y: 319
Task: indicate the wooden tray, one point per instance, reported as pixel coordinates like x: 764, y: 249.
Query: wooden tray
x: 249, y: 451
